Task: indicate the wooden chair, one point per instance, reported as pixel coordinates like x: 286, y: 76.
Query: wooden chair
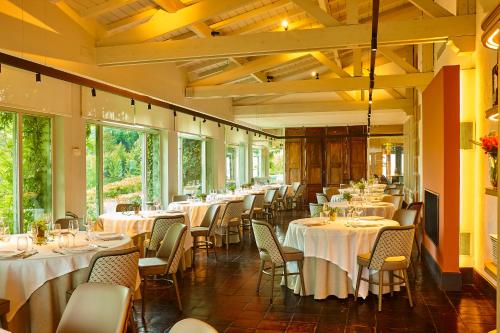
x: 161, y: 224
x: 270, y: 250
x: 391, y: 252
x: 230, y: 221
x: 418, y: 206
x: 166, y: 261
x: 4, y: 309
x: 281, y: 198
x: 269, y: 204
x: 298, y: 197
x: 248, y: 211
x: 127, y: 207
x: 205, y: 230
x: 321, y: 198
x: 396, y: 200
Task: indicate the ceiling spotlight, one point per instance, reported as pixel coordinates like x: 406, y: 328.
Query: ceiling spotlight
x: 214, y: 33
x: 237, y: 129
x: 132, y: 102
x: 218, y: 124
x: 374, y: 44
x: 231, y: 128
x: 247, y: 131
x: 254, y: 134
x: 194, y: 118
x: 370, y: 102
x: 315, y: 74
x: 0, y: 68
x: 38, y: 77
x: 284, y: 25
x: 149, y: 106
x: 259, y: 135
x: 270, y: 78
x: 175, y: 113
x: 204, y: 120
x: 93, y: 92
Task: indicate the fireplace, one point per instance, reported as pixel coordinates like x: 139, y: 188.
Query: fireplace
x: 431, y: 215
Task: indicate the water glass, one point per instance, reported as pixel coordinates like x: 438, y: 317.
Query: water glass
x: 33, y: 233
x: 22, y: 243
x: 73, y: 229
x: 63, y: 241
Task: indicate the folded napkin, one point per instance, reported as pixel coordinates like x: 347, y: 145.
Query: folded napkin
x: 371, y: 218
x: 7, y: 254
x: 108, y: 236
x: 80, y: 249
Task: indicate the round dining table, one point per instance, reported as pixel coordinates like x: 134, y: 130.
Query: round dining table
x: 36, y: 282
x: 330, y: 253
x: 378, y: 208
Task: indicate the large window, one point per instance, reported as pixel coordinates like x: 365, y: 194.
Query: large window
x: 276, y: 162
x: 192, y: 166
x: 130, y: 169
x: 25, y: 169
x: 386, y: 158
x: 231, y: 164
x: 257, y: 162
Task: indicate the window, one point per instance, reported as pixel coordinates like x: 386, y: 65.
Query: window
x: 191, y: 165
x: 231, y: 165
x: 386, y: 158
x: 276, y: 162
x: 25, y: 169
x: 8, y: 161
x: 257, y: 162
x: 36, y: 167
x: 130, y: 167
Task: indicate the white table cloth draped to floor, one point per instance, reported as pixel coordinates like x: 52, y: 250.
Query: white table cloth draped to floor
x: 36, y: 286
x: 135, y: 224
x: 330, y: 251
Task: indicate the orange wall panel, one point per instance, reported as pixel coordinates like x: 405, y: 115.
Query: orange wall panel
x: 441, y: 161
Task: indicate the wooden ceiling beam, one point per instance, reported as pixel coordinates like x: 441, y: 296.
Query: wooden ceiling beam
x: 311, y: 7
x: 105, y: 7
x: 163, y: 22
x: 430, y: 8
x: 308, y: 86
x: 129, y: 21
x: 394, y: 57
x: 249, y: 68
x: 339, y: 37
x: 270, y: 110
x: 89, y: 26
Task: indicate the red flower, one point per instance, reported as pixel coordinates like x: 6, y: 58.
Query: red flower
x: 489, y: 144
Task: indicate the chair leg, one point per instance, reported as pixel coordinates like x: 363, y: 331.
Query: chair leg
x: 273, y: 269
x: 391, y: 282
x: 215, y: 251
x: 143, y: 302
x: 192, y: 253
x: 407, y: 284
x: 227, y: 239
x: 131, y: 322
x: 358, y: 281
x: 418, y: 248
x: 261, y: 267
x: 380, y: 289
x: 207, y: 242
x: 302, y: 281
x: 174, y: 278
x: 285, y: 274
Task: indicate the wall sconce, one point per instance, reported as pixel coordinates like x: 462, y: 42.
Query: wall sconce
x: 284, y: 25
x: 491, y: 34
x: 76, y: 151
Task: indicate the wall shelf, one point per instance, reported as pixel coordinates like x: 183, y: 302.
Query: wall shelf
x: 491, y: 191
x: 491, y: 269
x: 492, y: 113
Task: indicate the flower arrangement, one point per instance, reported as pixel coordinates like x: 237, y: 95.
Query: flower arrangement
x: 333, y: 212
x: 347, y: 196
x: 41, y: 227
x: 489, y: 144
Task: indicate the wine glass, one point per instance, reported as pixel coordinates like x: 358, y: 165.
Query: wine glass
x: 359, y: 210
x: 57, y: 230
x: 33, y: 233
x: 73, y: 229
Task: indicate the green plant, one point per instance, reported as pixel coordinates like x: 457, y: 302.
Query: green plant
x: 334, y: 210
x: 201, y: 196
x: 347, y: 196
x: 231, y: 187
x: 41, y: 225
x: 361, y: 185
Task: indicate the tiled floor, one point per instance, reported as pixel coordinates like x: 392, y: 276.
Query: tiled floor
x: 223, y: 293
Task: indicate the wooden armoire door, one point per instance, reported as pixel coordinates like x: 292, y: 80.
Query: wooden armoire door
x: 357, y: 158
x: 335, y: 157
x: 293, y: 160
x: 314, y: 162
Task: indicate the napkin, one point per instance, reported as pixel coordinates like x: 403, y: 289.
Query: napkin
x: 108, y: 236
x: 7, y: 254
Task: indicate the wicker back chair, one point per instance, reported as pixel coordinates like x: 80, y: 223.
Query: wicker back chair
x: 205, y: 231
x: 161, y: 224
x: 321, y: 198
x: 230, y: 221
x: 166, y: 261
x: 391, y: 252
x: 271, y: 251
x: 127, y: 207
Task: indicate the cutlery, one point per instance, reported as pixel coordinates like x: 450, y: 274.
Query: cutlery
x: 58, y: 252
x: 29, y: 254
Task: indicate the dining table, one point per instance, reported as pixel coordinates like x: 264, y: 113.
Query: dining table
x: 374, y: 208
x: 36, y: 281
x: 330, y: 253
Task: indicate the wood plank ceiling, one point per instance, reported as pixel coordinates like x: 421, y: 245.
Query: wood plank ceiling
x: 157, y: 22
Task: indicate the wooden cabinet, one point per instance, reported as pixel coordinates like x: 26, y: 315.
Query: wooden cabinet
x: 320, y: 157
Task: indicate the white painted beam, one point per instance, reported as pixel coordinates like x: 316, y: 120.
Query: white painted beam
x: 270, y: 110
x: 105, y: 7
x: 394, y: 57
x: 163, y: 22
x: 430, y: 8
x: 419, y: 80
x: 339, y: 37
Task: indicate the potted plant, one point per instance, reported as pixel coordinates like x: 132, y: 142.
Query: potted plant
x: 489, y: 144
x: 347, y: 196
x: 202, y: 196
x: 137, y: 202
x: 333, y: 213
x: 231, y: 187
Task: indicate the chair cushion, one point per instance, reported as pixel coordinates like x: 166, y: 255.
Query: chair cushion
x: 199, y: 231
x: 364, y: 259
x: 292, y: 254
x: 154, y: 265
x: 390, y: 263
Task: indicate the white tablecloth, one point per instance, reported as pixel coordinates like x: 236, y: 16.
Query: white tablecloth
x: 20, y: 278
x: 336, y: 244
x: 133, y: 224
x: 195, y: 211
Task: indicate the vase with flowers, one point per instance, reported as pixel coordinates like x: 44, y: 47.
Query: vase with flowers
x: 489, y: 144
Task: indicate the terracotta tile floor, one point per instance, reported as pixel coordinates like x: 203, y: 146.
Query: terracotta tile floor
x: 223, y: 293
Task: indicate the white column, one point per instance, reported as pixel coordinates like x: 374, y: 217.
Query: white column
x: 169, y: 160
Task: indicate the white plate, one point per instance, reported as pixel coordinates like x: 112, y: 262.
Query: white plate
x: 107, y: 236
x: 6, y: 254
x: 80, y: 249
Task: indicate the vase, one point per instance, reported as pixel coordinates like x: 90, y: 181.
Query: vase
x: 493, y: 164
x: 41, y: 237
x: 333, y: 216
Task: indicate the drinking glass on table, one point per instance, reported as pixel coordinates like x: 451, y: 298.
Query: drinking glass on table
x: 33, y: 233
x: 73, y: 229
x: 358, y: 209
x: 22, y: 243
